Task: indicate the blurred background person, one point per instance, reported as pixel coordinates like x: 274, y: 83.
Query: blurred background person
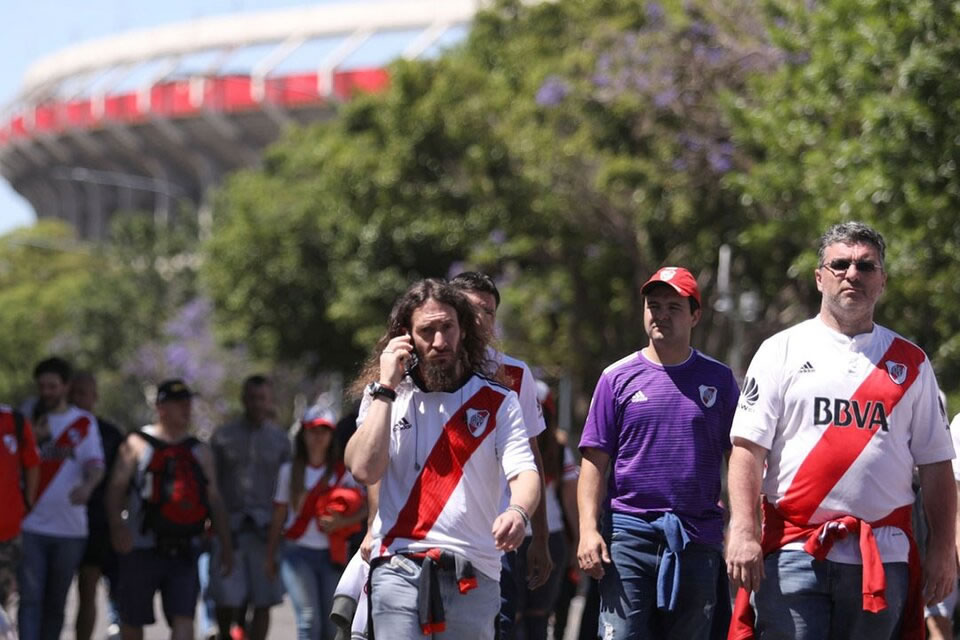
x: 317, y: 506
x: 55, y: 530
x: 248, y: 453
x: 19, y: 480
x: 99, y: 558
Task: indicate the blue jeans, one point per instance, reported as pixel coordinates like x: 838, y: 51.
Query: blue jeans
x: 806, y: 599
x: 628, y: 590
x: 46, y: 572
x: 310, y: 579
x: 393, y: 601
x: 535, y: 605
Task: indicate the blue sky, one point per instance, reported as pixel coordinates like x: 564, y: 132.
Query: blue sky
x: 39, y: 27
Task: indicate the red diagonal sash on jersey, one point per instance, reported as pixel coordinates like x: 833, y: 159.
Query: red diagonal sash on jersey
x: 443, y: 468
x: 68, y: 439
x: 308, y: 510
x: 839, y: 447
x: 515, y: 376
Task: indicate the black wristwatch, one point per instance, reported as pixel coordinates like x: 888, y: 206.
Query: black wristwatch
x: 375, y: 389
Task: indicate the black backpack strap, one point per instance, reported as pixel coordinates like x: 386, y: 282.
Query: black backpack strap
x: 153, y: 441
x: 18, y: 425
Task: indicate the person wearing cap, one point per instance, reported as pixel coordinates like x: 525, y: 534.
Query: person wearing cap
x: 659, y: 422
x: 537, y: 564
x: 317, y: 506
x: 54, y: 532
x: 835, y: 413
x: 248, y: 452
x: 146, y: 566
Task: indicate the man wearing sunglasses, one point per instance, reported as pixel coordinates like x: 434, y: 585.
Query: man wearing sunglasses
x: 834, y: 414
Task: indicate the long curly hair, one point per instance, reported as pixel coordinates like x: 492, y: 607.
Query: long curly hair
x: 472, y: 351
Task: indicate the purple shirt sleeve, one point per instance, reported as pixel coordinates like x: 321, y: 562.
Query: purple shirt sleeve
x: 600, y: 430
x: 730, y: 409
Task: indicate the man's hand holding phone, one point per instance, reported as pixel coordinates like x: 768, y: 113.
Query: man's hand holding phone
x: 396, y: 354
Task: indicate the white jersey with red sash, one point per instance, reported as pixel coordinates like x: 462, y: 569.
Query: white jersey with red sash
x: 74, y: 443
x: 845, y: 421
x: 448, y: 452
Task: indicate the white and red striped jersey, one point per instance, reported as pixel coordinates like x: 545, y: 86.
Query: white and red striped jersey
x: 448, y: 454
x: 74, y: 443
x: 845, y: 421
x: 523, y: 383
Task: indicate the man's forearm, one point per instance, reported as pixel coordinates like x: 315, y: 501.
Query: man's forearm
x: 939, y: 502
x: 368, y: 451
x: 744, y: 479
x: 525, y: 490
x: 538, y: 520
x: 591, y: 489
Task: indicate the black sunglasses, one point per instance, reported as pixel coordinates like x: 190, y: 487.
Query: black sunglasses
x: 840, y: 265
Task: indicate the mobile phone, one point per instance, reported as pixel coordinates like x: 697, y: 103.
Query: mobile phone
x: 412, y: 363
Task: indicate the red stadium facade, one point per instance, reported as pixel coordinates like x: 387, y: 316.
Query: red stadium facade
x: 136, y: 122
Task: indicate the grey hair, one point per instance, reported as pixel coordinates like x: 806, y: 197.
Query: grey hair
x: 852, y: 232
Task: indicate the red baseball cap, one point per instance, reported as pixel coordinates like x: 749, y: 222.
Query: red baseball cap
x: 679, y: 278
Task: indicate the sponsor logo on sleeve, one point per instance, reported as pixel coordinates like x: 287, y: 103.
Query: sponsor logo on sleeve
x: 896, y: 371
x: 477, y: 421
x: 708, y: 395
x: 750, y: 394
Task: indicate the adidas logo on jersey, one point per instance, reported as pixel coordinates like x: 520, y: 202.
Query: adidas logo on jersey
x: 749, y: 395
x: 807, y: 368
x: 402, y: 424
x: 639, y: 396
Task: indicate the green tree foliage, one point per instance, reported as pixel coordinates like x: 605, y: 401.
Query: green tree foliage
x: 568, y: 148
x: 861, y: 122
x: 43, y: 272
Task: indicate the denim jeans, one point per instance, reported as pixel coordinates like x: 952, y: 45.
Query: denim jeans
x: 806, y: 599
x: 628, y: 590
x: 46, y: 572
x: 393, y: 596
x: 310, y: 579
x: 516, y: 597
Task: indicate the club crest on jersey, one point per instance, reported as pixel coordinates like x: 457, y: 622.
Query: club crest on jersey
x: 75, y: 436
x: 708, y: 395
x: 896, y: 371
x: 10, y: 442
x: 477, y: 421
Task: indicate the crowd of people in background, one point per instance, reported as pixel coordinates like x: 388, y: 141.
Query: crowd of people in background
x: 450, y: 504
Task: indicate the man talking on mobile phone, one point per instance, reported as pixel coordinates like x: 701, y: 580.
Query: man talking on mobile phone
x: 438, y: 439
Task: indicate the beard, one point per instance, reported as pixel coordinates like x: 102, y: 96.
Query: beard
x: 440, y: 376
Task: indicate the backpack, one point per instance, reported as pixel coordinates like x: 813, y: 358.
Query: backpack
x: 174, y: 492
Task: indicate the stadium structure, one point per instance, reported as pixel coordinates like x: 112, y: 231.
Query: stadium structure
x: 148, y: 119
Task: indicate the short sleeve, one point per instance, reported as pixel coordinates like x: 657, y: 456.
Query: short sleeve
x: 570, y: 469
x: 29, y: 457
x: 282, y: 493
x: 529, y: 406
x: 364, y: 408
x: 761, y: 400
x: 731, y: 397
x: 599, y: 432
x: 90, y: 450
x: 955, y: 436
x: 512, y: 439
x: 930, y: 439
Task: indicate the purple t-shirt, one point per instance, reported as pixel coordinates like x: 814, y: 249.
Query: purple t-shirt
x: 666, y: 429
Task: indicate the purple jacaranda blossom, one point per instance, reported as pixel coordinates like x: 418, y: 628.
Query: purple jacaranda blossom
x: 456, y: 268
x: 655, y: 14
x: 665, y: 98
x: 552, y: 92
x: 498, y: 237
x: 720, y: 158
x: 701, y: 29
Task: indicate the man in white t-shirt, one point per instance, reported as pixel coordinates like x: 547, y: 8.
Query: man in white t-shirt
x: 439, y: 437
x: 55, y: 530
x: 481, y: 290
x: 834, y: 414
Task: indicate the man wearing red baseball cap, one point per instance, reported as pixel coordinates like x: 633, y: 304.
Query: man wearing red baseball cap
x: 660, y: 422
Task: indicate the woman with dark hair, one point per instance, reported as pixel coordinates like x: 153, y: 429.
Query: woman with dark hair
x: 317, y: 506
